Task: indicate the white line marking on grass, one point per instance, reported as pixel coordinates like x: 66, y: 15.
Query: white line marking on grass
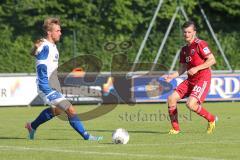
x: 185, y: 143
x: 62, y: 150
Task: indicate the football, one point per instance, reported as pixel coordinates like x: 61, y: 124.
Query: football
x: 120, y: 136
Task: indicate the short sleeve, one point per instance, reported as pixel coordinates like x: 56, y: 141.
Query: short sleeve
x: 182, y: 57
x: 204, y: 50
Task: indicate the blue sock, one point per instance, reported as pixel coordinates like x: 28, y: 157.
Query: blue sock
x: 77, y: 125
x: 44, y: 116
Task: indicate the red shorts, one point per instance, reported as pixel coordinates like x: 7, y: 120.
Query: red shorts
x: 198, y: 89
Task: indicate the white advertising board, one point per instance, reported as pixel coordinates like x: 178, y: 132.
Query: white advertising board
x: 17, y: 90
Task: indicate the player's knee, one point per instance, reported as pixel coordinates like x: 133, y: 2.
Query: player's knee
x: 56, y: 111
x: 172, y: 100
x: 71, y: 111
x: 191, y: 105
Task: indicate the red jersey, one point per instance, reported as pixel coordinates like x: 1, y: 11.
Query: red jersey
x: 195, y: 54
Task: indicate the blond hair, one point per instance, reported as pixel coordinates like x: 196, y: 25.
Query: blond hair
x: 49, y: 22
x: 47, y: 26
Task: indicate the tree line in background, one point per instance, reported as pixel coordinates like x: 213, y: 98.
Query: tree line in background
x: 88, y: 25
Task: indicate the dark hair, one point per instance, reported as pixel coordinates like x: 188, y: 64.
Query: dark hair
x: 188, y: 24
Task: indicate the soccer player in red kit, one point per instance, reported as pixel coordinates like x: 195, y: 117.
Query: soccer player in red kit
x: 196, y: 58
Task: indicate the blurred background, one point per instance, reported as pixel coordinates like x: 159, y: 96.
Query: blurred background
x: 88, y: 25
x: 93, y: 33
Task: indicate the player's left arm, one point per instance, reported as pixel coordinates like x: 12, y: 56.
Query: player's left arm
x: 210, y: 60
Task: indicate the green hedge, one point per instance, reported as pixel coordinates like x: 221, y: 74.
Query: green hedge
x: 97, y: 22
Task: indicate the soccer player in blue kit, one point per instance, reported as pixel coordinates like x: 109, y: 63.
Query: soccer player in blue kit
x: 46, y: 55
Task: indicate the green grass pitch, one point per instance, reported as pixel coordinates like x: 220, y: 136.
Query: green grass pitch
x: 147, y: 124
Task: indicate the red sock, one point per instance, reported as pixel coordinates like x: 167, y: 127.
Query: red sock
x: 173, y: 114
x: 205, y: 114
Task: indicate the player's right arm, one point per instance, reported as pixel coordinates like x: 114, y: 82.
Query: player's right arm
x: 182, y: 68
x: 36, y: 45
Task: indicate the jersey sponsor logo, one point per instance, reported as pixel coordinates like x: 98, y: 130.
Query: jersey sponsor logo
x: 206, y: 50
x: 188, y: 59
x: 56, y: 57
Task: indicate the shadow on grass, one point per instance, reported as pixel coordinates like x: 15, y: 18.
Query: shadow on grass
x: 41, y: 139
x: 12, y: 138
x: 111, y: 131
x: 129, y: 131
x: 62, y: 139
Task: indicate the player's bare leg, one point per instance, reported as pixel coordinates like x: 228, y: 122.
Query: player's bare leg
x: 193, y: 104
x: 57, y: 111
x: 173, y: 113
